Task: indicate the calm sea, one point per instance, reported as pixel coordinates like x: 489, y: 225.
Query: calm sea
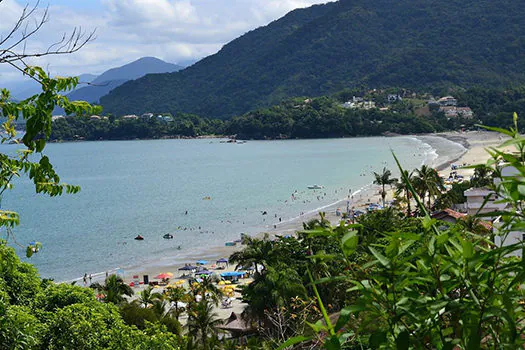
x: 160, y: 186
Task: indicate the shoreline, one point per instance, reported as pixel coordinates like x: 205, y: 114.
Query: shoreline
x: 473, y: 144
x: 361, y: 197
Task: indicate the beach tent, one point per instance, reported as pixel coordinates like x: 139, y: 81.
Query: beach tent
x: 202, y: 262
x: 232, y: 274
x: 222, y: 261
x: 188, y: 268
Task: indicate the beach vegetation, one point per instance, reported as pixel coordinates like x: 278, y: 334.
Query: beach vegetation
x: 402, y: 189
x: 482, y: 176
x: 176, y: 296
x: 438, y: 286
x: 384, y: 179
x: 427, y: 184
x: 114, y: 290
x: 202, y: 323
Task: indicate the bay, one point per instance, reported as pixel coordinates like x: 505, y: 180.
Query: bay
x: 155, y: 187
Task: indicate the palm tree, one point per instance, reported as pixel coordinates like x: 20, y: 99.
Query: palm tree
x: 147, y: 297
x: 402, y: 187
x: 176, y: 295
x: 114, y: 289
x: 257, y: 252
x: 482, y: 176
x: 208, y: 290
x: 384, y: 179
x: 427, y: 183
x: 202, y: 321
x: 160, y: 307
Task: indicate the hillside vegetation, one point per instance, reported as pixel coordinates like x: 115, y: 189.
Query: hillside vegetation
x: 322, y: 49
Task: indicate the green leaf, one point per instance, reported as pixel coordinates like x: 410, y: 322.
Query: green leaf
x: 346, y: 314
x: 317, y: 327
x: 468, y: 249
x: 392, y: 249
x: 293, y: 341
x: 349, y: 243
x: 380, y: 257
x: 500, y: 130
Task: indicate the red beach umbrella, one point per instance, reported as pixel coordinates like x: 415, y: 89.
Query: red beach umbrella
x: 164, y: 275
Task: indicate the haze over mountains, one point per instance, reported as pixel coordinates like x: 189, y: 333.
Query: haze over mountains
x: 114, y: 77
x: 103, y: 83
x: 426, y: 44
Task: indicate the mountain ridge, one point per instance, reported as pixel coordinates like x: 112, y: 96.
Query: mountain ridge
x: 117, y: 76
x: 325, y: 48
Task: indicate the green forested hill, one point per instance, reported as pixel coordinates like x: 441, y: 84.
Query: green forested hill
x: 426, y: 44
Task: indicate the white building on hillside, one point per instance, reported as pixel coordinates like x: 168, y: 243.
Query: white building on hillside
x: 476, y: 201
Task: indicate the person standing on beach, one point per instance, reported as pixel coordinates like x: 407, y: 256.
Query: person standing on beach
x: 90, y: 278
x: 85, y: 279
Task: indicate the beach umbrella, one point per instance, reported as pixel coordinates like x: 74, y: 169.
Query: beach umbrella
x: 232, y: 274
x: 221, y: 283
x: 164, y: 275
x: 202, y: 262
x: 222, y: 260
x: 188, y: 268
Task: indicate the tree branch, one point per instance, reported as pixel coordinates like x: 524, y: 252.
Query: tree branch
x: 11, y: 53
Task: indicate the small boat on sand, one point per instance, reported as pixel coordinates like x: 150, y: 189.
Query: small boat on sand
x: 167, y: 236
x: 139, y: 238
x: 315, y: 187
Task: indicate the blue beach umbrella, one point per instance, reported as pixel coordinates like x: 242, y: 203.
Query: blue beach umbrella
x: 222, y: 260
x: 202, y: 262
x: 232, y: 274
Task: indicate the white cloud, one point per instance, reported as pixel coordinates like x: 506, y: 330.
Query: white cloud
x: 172, y: 30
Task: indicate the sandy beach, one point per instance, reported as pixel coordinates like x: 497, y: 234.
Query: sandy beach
x: 475, y: 142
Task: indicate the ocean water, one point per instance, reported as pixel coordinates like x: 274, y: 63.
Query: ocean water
x: 159, y: 186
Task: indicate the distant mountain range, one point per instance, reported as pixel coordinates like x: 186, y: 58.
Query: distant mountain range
x: 425, y: 44
x: 102, y: 84
x: 114, y: 77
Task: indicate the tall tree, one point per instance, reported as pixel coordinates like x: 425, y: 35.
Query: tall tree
x: 428, y: 184
x: 202, y: 322
x: 176, y: 295
x: 257, y: 253
x: 482, y: 176
x: 402, y: 187
x: 383, y: 180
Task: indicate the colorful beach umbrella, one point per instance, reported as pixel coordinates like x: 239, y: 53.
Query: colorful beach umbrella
x: 164, y: 275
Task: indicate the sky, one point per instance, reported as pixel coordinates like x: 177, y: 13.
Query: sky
x: 177, y: 31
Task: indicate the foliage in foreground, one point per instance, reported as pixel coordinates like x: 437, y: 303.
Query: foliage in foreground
x: 444, y: 288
